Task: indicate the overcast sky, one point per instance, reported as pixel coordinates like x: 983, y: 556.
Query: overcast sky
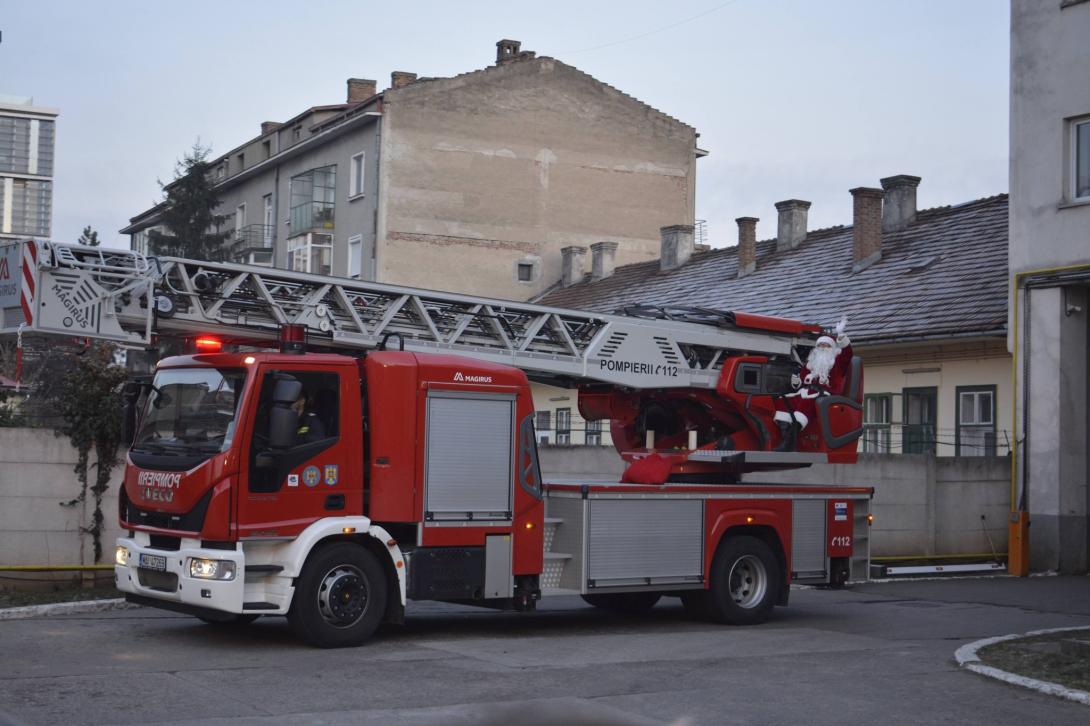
x: 793, y: 98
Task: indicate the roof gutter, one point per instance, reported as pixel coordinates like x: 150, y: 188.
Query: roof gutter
x: 996, y: 333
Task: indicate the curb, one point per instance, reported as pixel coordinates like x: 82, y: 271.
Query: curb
x: 81, y: 607
x: 967, y: 658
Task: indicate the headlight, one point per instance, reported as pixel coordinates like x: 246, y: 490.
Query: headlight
x: 211, y: 569
x: 121, y: 555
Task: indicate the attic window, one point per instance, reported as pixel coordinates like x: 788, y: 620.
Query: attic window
x: 525, y: 272
x: 922, y: 263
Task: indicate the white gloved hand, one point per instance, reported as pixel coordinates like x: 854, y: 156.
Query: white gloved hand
x: 841, y: 326
x: 808, y: 379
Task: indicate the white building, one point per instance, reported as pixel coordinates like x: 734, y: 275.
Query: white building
x: 27, y: 134
x: 1050, y: 267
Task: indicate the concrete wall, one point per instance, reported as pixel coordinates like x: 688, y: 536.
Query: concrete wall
x: 36, y: 475
x: 507, y: 165
x: 1050, y: 89
x: 923, y: 505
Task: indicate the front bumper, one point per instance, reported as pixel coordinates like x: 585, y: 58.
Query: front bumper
x: 174, y: 584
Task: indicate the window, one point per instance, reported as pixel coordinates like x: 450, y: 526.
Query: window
x: 1080, y: 167
x: 877, y: 412
x: 240, y: 220
x: 297, y: 133
x: 563, y: 425
x: 267, y: 221
x: 355, y: 176
x: 594, y: 433
x: 976, y: 421
x: 241, y: 162
x: 312, y: 200
x: 543, y: 425
x: 266, y: 148
x: 525, y: 272
x: 317, y: 427
x: 311, y: 253
x: 355, y: 256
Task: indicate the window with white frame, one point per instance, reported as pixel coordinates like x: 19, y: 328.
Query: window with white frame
x: 976, y: 421
x: 563, y: 425
x: 1080, y: 163
x: 240, y: 220
x: 594, y: 433
x: 355, y: 256
x: 356, y: 176
x: 311, y: 252
x: 877, y: 411
x: 543, y: 425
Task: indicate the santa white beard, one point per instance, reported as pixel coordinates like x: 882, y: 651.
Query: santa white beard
x: 820, y: 363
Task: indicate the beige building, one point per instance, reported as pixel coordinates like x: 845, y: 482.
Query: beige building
x: 924, y: 292
x: 473, y: 183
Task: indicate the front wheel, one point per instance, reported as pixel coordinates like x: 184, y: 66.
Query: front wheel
x: 745, y: 582
x: 339, y: 598
x: 623, y: 602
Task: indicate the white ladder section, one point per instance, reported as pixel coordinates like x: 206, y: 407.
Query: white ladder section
x: 126, y: 297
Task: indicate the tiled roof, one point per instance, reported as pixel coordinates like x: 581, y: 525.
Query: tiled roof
x: 945, y: 275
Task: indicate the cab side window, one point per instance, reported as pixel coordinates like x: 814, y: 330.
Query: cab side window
x: 318, y: 427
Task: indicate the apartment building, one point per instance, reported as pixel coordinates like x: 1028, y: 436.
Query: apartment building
x: 472, y: 183
x: 1050, y: 275
x: 27, y: 135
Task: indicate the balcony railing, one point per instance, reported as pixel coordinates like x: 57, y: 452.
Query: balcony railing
x: 252, y: 237
x: 310, y: 216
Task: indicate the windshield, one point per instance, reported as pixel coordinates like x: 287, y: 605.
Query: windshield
x: 190, y: 410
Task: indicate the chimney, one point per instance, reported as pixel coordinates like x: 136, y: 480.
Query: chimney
x: 507, y: 50
x: 747, y: 245
x: 603, y: 260
x: 677, y: 246
x: 401, y: 78
x: 267, y: 127
x: 791, y: 228
x: 360, y: 89
x: 866, y: 227
x: 899, y: 205
x: 571, y: 265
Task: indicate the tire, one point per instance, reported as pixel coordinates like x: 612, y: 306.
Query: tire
x: 745, y: 582
x: 624, y: 602
x: 340, y: 597
x: 229, y: 619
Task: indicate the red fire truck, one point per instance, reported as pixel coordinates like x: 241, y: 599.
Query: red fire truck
x: 362, y: 445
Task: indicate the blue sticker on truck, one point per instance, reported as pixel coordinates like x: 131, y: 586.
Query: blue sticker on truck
x: 311, y: 476
x: 840, y: 511
x: 331, y: 474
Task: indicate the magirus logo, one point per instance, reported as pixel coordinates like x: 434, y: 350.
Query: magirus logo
x: 460, y: 377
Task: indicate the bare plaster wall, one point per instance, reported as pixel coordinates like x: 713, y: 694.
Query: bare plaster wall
x: 511, y: 164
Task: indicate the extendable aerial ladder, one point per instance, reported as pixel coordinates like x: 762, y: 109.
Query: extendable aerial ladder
x: 130, y: 298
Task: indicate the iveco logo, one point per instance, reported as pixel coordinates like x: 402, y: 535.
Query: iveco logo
x: 460, y: 377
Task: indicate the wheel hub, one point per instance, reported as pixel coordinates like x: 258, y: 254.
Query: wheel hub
x: 343, y: 596
x: 748, y: 581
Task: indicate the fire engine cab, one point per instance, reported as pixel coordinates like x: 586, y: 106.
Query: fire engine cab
x: 384, y: 449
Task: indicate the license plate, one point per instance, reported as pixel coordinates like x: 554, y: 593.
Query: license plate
x: 153, y: 562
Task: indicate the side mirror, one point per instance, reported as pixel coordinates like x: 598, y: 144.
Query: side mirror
x: 283, y: 425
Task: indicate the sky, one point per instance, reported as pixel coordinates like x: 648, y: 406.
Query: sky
x: 792, y: 98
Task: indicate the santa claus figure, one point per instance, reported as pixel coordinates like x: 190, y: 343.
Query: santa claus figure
x: 825, y: 374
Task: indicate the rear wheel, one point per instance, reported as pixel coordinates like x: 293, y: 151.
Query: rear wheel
x: 745, y: 582
x: 339, y: 598
x: 623, y: 602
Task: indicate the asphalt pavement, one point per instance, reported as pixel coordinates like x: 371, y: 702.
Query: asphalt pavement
x: 876, y: 653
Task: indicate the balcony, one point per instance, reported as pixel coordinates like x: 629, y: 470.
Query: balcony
x: 253, y: 243
x: 311, y: 216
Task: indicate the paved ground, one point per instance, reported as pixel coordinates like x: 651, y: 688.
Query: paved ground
x: 881, y: 653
